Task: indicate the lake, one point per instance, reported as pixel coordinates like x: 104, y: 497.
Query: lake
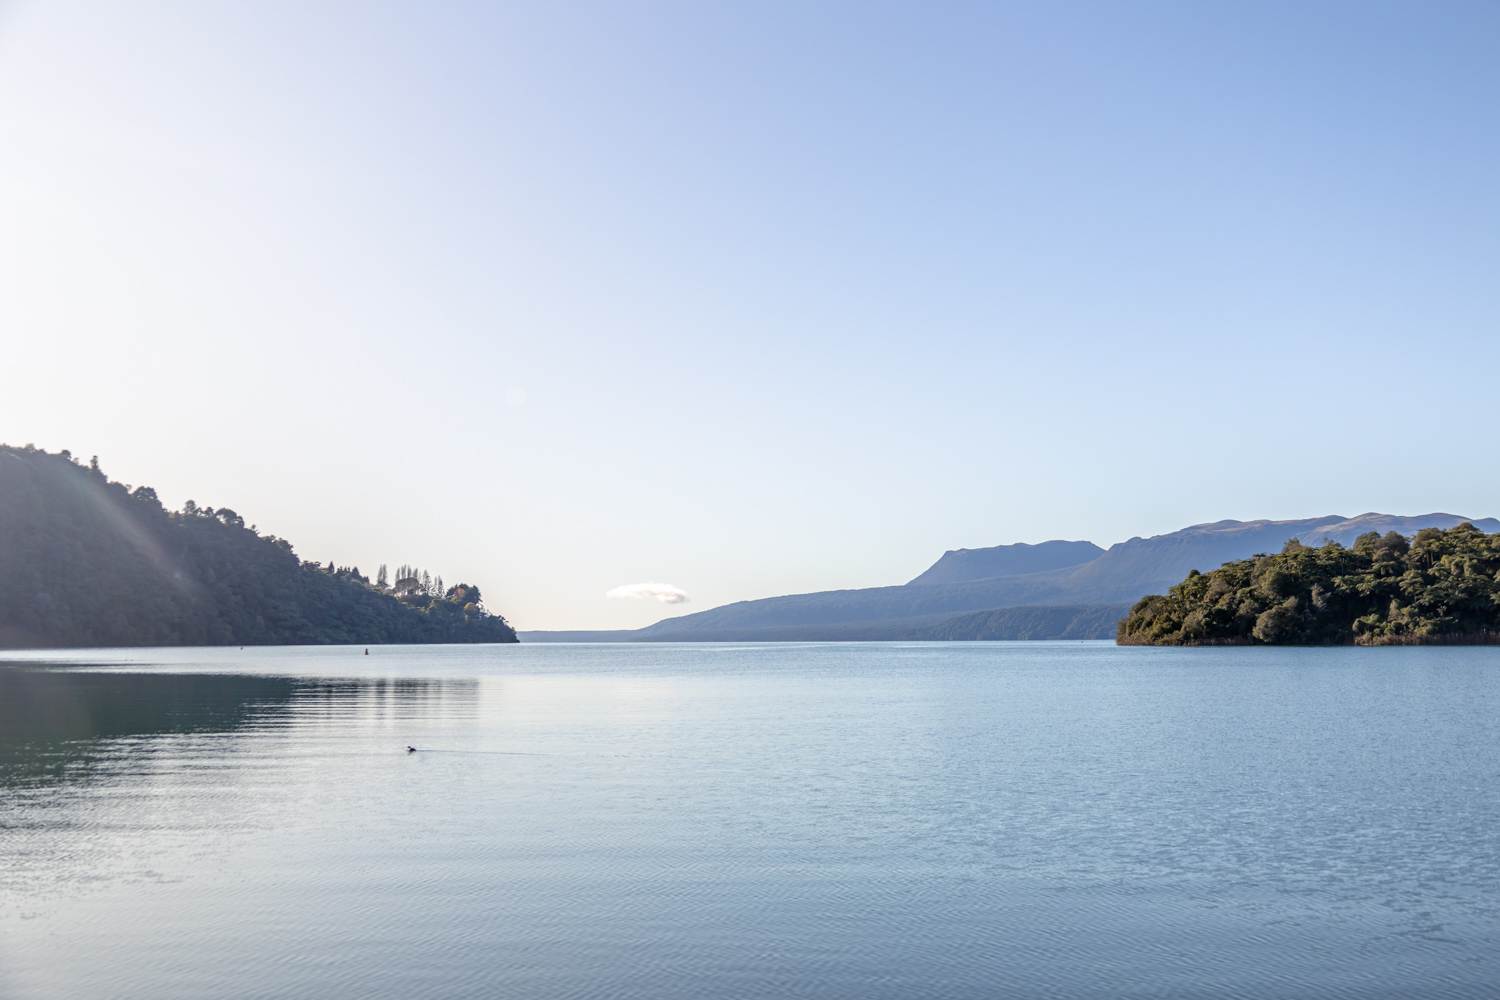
x: 782, y: 820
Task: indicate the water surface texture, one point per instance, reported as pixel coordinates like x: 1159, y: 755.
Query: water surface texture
x: 693, y: 821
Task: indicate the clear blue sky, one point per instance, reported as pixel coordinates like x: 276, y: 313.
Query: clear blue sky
x: 756, y: 298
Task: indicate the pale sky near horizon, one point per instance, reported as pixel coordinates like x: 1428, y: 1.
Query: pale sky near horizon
x: 757, y: 298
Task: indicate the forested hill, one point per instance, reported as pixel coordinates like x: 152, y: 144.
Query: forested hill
x: 1441, y: 586
x: 89, y: 562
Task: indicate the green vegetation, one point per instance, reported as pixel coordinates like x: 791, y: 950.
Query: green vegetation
x: 89, y: 562
x: 1441, y: 586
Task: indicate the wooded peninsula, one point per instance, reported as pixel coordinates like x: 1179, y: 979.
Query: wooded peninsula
x: 1440, y: 586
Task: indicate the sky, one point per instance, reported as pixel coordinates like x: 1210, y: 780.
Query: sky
x: 693, y: 303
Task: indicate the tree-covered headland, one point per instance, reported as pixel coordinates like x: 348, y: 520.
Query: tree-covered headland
x: 85, y: 561
x: 1440, y: 586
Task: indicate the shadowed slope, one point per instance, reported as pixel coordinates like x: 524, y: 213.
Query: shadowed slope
x: 89, y: 562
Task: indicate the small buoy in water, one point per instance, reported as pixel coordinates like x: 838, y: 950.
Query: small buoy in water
x: 411, y: 749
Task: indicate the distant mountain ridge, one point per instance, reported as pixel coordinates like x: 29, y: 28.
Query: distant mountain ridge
x: 959, y: 565
x: 950, y: 589
x: 1345, y: 532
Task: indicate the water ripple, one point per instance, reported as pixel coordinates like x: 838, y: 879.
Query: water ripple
x: 812, y: 821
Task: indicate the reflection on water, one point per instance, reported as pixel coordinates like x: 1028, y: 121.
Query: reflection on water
x: 103, y: 775
x: 60, y: 725
x: 867, y: 821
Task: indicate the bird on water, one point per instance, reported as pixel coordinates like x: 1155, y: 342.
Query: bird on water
x: 411, y: 749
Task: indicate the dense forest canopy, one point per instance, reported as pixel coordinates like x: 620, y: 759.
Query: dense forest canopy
x: 89, y: 562
x: 1439, y: 586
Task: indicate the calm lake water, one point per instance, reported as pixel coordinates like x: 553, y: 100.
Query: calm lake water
x: 700, y: 821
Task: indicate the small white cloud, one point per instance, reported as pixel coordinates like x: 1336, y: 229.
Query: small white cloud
x: 663, y: 592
